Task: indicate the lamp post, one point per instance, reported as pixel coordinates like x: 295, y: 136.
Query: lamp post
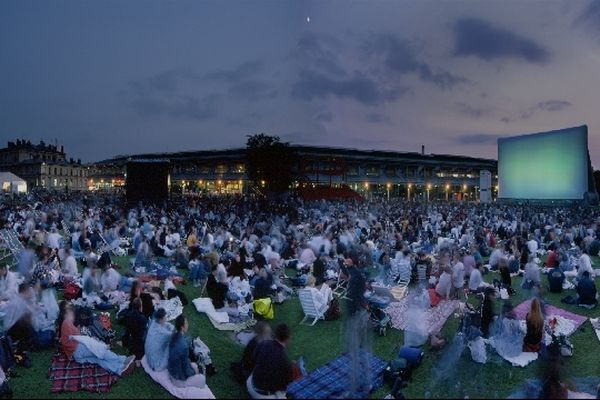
x: 367, y: 188
x: 388, y: 186
x: 447, y: 188
x: 465, y: 190
x: 428, y: 189
x: 409, y: 186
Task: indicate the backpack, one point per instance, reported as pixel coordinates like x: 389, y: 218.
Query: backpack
x: 264, y: 308
x: 334, y: 311
x: 72, y: 291
x: 176, y: 293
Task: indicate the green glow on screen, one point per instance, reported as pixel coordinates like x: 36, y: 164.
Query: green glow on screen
x: 544, y: 166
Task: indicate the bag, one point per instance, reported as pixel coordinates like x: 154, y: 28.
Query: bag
x: 72, y: 291
x: 7, y: 353
x: 176, y: 293
x: 43, y: 339
x: 264, y: 308
x: 396, y: 369
x: 569, y: 300
x: 334, y: 311
x: 83, y: 316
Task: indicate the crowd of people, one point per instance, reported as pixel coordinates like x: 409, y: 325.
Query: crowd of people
x: 239, y: 249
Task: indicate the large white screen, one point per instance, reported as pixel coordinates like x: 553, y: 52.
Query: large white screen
x: 545, y: 166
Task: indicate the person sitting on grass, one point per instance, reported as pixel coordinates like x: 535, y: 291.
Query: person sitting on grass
x: 531, y: 277
x: 476, y: 282
x: 135, y: 330
x: 8, y: 283
x: 85, y: 349
x: 182, y: 371
x: 158, y: 337
x: 556, y: 278
x: 532, y: 342
x: 586, y: 291
x: 272, y: 371
x: 263, y: 332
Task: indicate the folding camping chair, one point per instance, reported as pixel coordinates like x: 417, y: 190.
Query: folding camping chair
x: 341, y: 285
x: 310, y: 308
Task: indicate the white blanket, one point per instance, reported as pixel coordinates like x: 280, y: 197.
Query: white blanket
x: 205, y: 305
x: 163, y: 379
x: 522, y: 360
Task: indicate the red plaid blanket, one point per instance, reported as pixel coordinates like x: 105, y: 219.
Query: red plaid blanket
x: 70, y: 376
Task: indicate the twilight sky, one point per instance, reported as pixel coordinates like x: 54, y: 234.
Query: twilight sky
x: 120, y: 77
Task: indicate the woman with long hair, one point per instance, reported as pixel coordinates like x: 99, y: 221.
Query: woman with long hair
x: 182, y: 371
x: 535, y: 328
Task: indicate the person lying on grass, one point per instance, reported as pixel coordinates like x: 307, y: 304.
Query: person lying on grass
x: 85, y: 349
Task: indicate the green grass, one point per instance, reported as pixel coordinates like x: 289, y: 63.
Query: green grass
x: 322, y: 343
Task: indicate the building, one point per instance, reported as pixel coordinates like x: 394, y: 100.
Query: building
x: 43, y: 165
x: 372, y: 173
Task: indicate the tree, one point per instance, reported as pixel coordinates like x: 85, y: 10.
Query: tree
x: 269, y: 163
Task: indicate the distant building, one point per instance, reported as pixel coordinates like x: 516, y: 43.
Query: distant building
x: 43, y: 165
x: 411, y: 175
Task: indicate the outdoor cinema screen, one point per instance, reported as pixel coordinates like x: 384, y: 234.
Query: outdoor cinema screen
x: 544, y: 166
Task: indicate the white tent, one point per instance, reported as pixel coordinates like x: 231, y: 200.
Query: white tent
x: 11, y: 183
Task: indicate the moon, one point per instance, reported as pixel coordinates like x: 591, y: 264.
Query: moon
x: 308, y: 19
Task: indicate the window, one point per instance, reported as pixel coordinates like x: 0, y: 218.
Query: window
x: 222, y: 169
x: 372, y: 170
x: 352, y: 170
x: 390, y: 171
x: 205, y: 169
x: 239, y: 168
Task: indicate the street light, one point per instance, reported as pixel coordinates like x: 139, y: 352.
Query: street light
x: 428, y: 189
x: 388, y: 186
x: 409, y: 186
x: 447, y: 188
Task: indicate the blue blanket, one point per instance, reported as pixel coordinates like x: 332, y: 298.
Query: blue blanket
x: 332, y: 380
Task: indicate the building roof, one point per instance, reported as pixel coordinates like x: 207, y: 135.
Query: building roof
x: 375, y: 155
x: 6, y: 176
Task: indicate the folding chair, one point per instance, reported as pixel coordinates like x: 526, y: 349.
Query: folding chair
x: 309, y: 308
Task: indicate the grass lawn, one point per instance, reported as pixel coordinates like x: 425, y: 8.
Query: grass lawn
x: 438, y: 376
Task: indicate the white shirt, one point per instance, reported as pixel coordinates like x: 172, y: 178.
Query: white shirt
x: 585, y: 264
x: 458, y: 275
x: 444, y: 285
x: 8, y: 285
x: 54, y: 240
x: 532, y: 245
x: 475, y: 280
x: 70, y: 266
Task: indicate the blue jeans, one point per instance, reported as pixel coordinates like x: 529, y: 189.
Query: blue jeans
x: 111, y: 361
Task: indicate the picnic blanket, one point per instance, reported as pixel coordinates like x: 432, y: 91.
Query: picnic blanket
x: 596, y: 325
x: 70, y: 376
x: 163, y: 379
x: 436, y: 316
x: 332, y: 380
x: 522, y: 309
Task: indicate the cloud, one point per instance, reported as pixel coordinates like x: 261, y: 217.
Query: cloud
x: 479, y: 38
x: 590, y: 17
x: 400, y: 58
x: 252, y: 90
x: 178, y: 107
x: 242, y: 72
x: 359, y: 87
x: 320, y: 51
x: 475, y: 112
x: 326, y: 116
x: 377, y: 118
x: 548, y: 105
x: 164, y: 82
x: 477, y: 139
